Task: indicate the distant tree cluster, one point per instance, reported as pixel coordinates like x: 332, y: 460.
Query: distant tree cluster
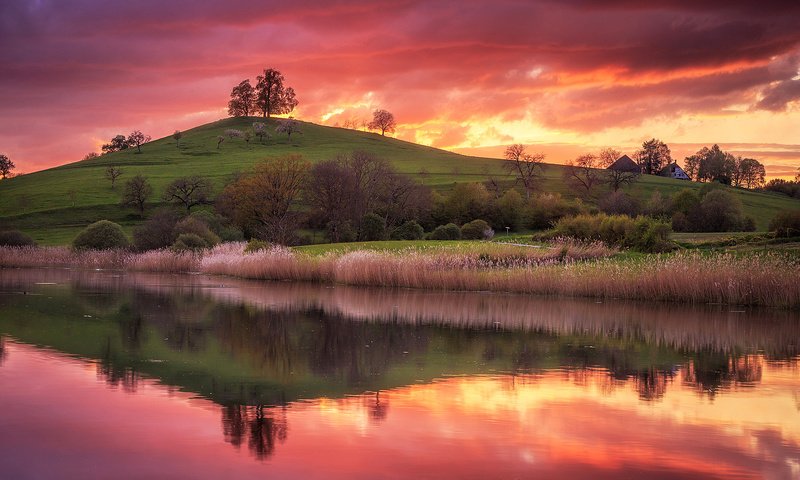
x: 269, y: 96
x: 121, y: 142
x: 653, y: 156
x: 715, y: 165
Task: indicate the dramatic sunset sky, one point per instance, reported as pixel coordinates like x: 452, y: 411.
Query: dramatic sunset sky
x: 565, y: 76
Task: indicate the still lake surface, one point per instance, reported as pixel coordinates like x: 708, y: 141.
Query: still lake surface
x: 108, y: 375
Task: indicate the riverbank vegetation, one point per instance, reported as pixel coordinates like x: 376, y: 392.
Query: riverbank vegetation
x: 563, y: 268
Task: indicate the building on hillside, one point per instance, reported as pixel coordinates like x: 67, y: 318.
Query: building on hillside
x: 625, y: 164
x: 674, y: 171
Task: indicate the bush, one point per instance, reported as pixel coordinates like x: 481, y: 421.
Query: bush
x: 786, y: 224
x: 373, y: 227
x: 189, y: 241
x: 446, y: 232
x: 195, y: 226
x: 620, y: 203
x: 255, y: 245
x: 102, y: 235
x: 720, y: 212
x: 546, y: 209
x: 410, y: 230
x: 340, y: 232
x: 474, y: 230
x: 157, y: 232
x: 642, y: 233
x: 15, y: 238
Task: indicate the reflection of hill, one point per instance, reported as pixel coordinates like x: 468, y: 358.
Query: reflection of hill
x: 253, y: 343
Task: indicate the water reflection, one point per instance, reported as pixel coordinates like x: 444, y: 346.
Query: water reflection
x: 544, y: 378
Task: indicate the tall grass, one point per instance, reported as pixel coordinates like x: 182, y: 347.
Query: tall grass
x: 758, y: 279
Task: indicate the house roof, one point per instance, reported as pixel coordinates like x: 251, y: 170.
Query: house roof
x: 625, y: 164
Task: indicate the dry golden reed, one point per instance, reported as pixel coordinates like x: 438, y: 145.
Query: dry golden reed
x: 758, y: 279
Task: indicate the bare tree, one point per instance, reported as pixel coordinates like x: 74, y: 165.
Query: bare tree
x: 243, y: 100
x: 90, y: 156
x: 6, y: 165
x: 137, y: 191
x: 615, y: 179
x: 272, y: 98
x: 177, y: 136
x: 220, y: 139
x: 288, y: 126
x: 188, y: 191
x: 608, y: 156
x: 526, y: 167
x: 583, y: 173
x: 112, y: 173
x: 137, y: 138
x: 382, y: 120
x: 260, y: 130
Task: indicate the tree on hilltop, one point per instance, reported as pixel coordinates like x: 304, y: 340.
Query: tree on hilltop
x: 136, y: 139
x: 177, y: 136
x: 243, y: 100
x: 119, y: 142
x: 6, y: 165
x: 382, y: 120
x: 272, y: 98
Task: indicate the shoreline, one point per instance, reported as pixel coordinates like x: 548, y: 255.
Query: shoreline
x: 568, y: 270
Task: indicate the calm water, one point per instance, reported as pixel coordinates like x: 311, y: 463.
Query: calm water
x: 140, y: 376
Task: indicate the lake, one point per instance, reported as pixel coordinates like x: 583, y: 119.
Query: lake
x: 112, y: 375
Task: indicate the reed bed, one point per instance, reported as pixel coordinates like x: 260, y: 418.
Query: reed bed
x: 759, y: 279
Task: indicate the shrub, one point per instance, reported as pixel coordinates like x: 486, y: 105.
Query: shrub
x: 547, y: 208
x: 15, y: 238
x: 255, y: 245
x: 373, y: 227
x: 446, y: 232
x: 189, y: 241
x: 720, y: 212
x: 192, y: 225
x: 102, y: 235
x: 641, y: 233
x: 474, y: 230
x: 620, y: 203
x: 340, y: 232
x: 786, y: 224
x: 410, y: 230
x: 157, y: 232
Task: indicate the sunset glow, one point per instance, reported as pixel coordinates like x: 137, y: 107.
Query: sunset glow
x: 469, y: 76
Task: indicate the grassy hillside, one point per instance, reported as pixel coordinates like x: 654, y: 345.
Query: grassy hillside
x: 53, y: 205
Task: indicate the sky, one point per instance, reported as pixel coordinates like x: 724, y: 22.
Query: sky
x: 563, y: 76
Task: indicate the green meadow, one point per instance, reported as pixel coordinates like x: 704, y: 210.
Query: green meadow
x: 55, y: 204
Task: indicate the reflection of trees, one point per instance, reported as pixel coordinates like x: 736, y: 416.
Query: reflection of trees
x: 377, y: 406
x: 3, y: 352
x: 260, y: 426
x: 710, y: 372
x: 114, y: 374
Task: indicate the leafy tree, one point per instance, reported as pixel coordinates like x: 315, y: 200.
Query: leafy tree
x: 526, y: 167
x: 382, y: 120
x: 288, y: 126
x: 243, y: 100
x: 475, y: 230
x: 188, y: 191
x: 6, y: 165
x: 102, y: 235
x: 272, y: 98
x: 467, y: 201
x: 748, y: 173
x: 265, y: 201
x: 112, y: 173
x: 653, y: 156
x: 508, y: 210
x: 15, y: 238
x: 177, y: 136
x: 119, y: 142
x: 137, y: 191
x: 136, y: 139
x: 410, y: 230
x: 583, y: 174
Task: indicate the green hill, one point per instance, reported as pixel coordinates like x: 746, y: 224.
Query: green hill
x: 54, y: 204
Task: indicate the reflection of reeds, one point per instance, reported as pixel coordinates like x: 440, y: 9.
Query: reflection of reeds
x: 758, y: 279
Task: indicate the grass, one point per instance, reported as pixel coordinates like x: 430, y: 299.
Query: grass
x: 54, y: 204
x: 565, y: 268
